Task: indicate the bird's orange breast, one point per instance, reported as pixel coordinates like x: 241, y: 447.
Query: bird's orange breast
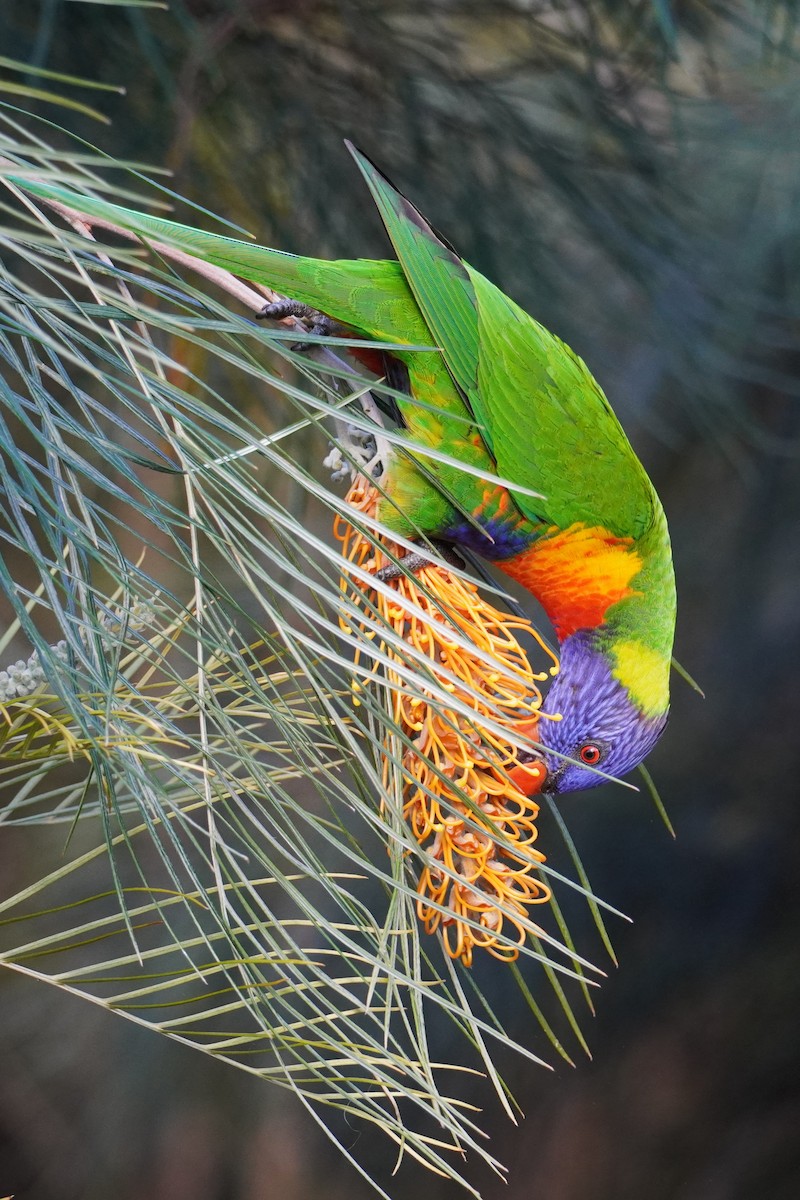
x: 576, y: 574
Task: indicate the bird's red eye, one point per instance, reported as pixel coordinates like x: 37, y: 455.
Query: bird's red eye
x: 590, y: 754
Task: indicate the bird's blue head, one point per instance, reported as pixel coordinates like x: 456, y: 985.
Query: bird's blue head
x: 600, y: 727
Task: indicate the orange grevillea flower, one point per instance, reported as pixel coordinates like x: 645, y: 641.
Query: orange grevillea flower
x: 468, y: 794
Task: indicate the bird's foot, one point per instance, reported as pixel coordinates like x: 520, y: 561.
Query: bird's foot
x: 415, y: 561
x: 314, y: 321
x: 357, y: 453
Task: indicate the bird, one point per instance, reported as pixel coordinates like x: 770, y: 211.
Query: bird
x: 532, y: 469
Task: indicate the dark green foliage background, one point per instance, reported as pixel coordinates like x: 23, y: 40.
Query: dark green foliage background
x: 631, y: 174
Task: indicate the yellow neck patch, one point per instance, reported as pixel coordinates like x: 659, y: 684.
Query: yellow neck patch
x: 644, y: 673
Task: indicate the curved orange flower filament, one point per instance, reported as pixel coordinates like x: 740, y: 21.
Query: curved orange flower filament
x: 468, y: 796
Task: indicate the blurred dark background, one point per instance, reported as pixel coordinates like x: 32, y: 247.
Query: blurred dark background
x: 630, y: 173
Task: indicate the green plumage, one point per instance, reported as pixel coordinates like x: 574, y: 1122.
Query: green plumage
x: 513, y: 373
x: 516, y: 375
x: 498, y: 392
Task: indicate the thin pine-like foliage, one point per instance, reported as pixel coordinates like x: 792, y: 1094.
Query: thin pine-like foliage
x: 224, y: 843
x: 235, y: 868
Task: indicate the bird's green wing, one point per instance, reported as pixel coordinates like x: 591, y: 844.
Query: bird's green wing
x: 552, y: 427
x: 542, y: 414
x: 437, y: 277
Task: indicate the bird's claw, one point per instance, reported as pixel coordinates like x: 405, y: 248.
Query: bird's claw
x: 317, y: 323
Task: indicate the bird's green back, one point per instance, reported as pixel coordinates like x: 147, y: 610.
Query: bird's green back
x: 541, y: 412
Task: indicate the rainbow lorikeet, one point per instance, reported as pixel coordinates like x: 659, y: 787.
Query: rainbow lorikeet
x: 505, y: 397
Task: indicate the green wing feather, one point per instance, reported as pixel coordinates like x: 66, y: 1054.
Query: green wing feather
x: 542, y: 413
x: 438, y: 278
x: 554, y: 429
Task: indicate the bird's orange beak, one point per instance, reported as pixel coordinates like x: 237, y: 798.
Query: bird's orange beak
x: 529, y: 776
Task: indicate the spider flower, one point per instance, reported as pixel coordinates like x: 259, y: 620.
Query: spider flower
x: 468, y: 790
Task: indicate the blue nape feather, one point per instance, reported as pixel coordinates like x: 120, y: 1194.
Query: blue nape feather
x: 601, y: 727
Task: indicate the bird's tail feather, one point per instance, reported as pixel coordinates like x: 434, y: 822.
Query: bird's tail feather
x: 371, y: 297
